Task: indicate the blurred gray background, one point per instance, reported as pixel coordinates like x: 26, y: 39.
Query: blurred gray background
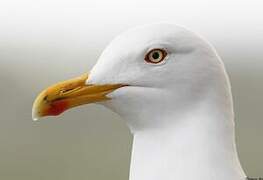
x: 42, y: 42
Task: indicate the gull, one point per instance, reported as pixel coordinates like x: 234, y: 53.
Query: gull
x: 172, y: 89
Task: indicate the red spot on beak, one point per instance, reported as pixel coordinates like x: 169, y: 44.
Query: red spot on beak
x: 57, y: 107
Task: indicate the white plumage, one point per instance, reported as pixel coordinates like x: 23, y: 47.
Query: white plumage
x: 180, y: 111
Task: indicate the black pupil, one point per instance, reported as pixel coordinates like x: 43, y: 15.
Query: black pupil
x: 156, y: 55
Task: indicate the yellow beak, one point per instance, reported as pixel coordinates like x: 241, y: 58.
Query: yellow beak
x: 70, y: 93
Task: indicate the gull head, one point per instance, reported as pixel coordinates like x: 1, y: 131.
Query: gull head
x: 145, y: 75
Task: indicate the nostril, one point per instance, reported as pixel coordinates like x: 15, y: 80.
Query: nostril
x: 65, y: 90
x: 69, y: 90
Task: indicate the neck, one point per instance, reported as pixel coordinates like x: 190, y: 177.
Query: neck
x: 199, y: 146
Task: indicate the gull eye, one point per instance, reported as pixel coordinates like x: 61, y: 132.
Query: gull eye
x: 155, y: 56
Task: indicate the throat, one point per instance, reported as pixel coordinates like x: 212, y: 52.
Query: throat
x: 197, y: 147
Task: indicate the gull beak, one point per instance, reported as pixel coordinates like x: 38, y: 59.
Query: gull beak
x: 68, y: 94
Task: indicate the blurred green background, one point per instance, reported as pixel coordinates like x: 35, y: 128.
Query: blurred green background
x: 42, y: 42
